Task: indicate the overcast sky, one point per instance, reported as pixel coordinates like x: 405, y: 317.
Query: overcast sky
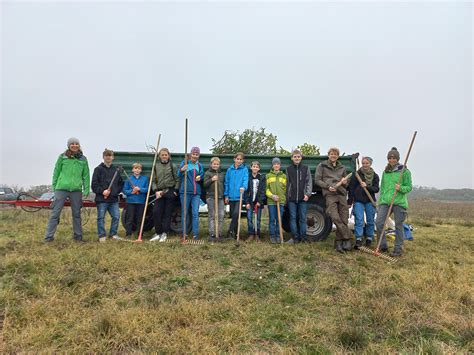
x: 359, y: 76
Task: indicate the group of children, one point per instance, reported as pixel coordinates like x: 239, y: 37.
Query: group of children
x: 238, y: 186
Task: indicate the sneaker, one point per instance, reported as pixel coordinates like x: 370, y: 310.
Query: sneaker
x: 155, y: 238
x: 211, y: 239
x: 46, y: 241
x: 291, y: 241
x: 79, y: 241
x: 396, y: 253
x: 358, y: 244
x: 128, y: 237
x: 102, y: 239
x: 195, y: 237
x: 163, y: 237
x: 273, y: 239
x: 368, y: 242
x: 251, y: 238
x: 116, y: 237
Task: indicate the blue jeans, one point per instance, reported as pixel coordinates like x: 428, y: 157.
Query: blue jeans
x: 193, y: 201
x: 358, y: 209
x: 274, y: 227
x: 298, y: 209
x: 251, y: 227
x: 114, y: 211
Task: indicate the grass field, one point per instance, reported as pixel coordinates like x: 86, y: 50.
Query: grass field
x: 259, y: 298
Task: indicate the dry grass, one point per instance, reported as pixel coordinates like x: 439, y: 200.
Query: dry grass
x: 259, y: 298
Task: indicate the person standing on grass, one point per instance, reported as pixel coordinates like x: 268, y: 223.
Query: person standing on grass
x: 236, y: 182
x: 166, y: 185
x: 276, y: 192
x: 135, y: 189
x: 361, y: 202
x: 194, y: 176
x: 328, y: 174
x: 107, y: 184
x: 71, y: 179
x: 299, y: 189
x: 212, y: 177
x: 388, y: 186
x: 255, y: 200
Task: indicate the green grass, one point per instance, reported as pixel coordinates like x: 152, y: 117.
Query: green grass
x: 127, y: 297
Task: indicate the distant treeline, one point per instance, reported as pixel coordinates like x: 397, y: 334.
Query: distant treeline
x: 431, y: 193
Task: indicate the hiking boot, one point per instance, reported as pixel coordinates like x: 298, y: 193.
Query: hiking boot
x: 273, y: 239
x: 251, y: 238
x: 116, y: 237
x: 347, y: 244
x: 339, y: 247
x: 155, y: 238
x: 396, y: 253
x: 102, y: 239
x: 231, y: 235
x: 49, y: 240
x: 163, y: 237
x: 358, y: 244
x: 79, y: 241
x: 368, y: 242
x: 384, y: 249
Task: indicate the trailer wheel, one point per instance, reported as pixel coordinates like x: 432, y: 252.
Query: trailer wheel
x: 318, y: 223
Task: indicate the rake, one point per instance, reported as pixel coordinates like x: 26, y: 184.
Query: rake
x: 376, y: 252
x: 185, y: 226
x: 139, y: 240
x: 363, y: 187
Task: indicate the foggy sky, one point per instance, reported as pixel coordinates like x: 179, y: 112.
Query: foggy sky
x: 359, y: 76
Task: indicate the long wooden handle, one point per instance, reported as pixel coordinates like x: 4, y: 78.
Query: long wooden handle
x: 149, y: 188
x: 395, y: 194
x: 365, y: 189
x: 238, y: 221
x: 348, y: 176
x: 216, y: 206
x: 185, y: 226
x: 279, y: 222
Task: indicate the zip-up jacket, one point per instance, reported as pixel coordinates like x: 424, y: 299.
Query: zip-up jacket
x: 387, y: 187
x: 260, y: 196
x: 299, y: 182
x: 235, y: 178
x: 101, y: 179
x: 71, y: 174
x: 328, y: 175
x: 276, y: 185
x: 142, y: 183
x: 165, y: 176
x: 357, y: 193
x: 193, y: 187
x: 209, y: 184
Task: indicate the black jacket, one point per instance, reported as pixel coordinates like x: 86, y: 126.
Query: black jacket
x: 260, y: 197
x: 357, y: 193
x: 101, y: 180
x: 299, y: 182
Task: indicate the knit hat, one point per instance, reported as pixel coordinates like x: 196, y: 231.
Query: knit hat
x: 276, y: 160
x: 195, y: 150
x: 393, y: 153
x: 72, y: 140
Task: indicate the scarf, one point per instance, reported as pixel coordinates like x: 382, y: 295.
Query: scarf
x: 368, y: 175
x: 70, y: 154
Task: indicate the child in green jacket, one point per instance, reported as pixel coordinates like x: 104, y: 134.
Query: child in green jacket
x: 276, y: 192
x: 388, y: 186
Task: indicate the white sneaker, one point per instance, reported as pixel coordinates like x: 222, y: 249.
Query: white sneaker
x: 156, y: 237
x: 116, y: 237
x: 102, y: 239
x: 163, y: 238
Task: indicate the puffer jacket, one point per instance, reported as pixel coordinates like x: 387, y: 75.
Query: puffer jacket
x: 71, y: 174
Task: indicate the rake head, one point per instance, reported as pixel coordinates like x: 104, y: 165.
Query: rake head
x: 378, y: 254
x: 190, y: 242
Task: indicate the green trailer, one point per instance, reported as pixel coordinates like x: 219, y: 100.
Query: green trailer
x: 319, y: 225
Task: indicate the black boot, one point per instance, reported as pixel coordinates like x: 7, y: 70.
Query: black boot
x: 358, y: 244
x: 347, y: 244
x: 339, y: 246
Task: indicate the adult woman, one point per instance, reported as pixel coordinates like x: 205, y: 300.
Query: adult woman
x: 361, y: 202
x: 70, y: 180
x: 388, y: 187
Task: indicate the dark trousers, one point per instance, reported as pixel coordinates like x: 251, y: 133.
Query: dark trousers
x: 234, y: 213
x: 162, y: 213
x: 133, y: 217
x: 336, y: 208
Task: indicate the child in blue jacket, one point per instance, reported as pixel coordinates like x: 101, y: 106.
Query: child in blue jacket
x: 195, y: 176
x: 135, y: 189
x: 236, y: 182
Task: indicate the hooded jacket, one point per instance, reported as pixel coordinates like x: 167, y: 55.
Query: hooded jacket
x: 387, y: 187
x: 101, y: 179
x: 142, y: 183
x: 260, y: 196
x: 71, y: 174
x: 235, y: 178
x: 328, y: 175
x: 194, y: 170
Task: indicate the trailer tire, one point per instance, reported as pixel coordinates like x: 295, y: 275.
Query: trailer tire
x: 318, y: 223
